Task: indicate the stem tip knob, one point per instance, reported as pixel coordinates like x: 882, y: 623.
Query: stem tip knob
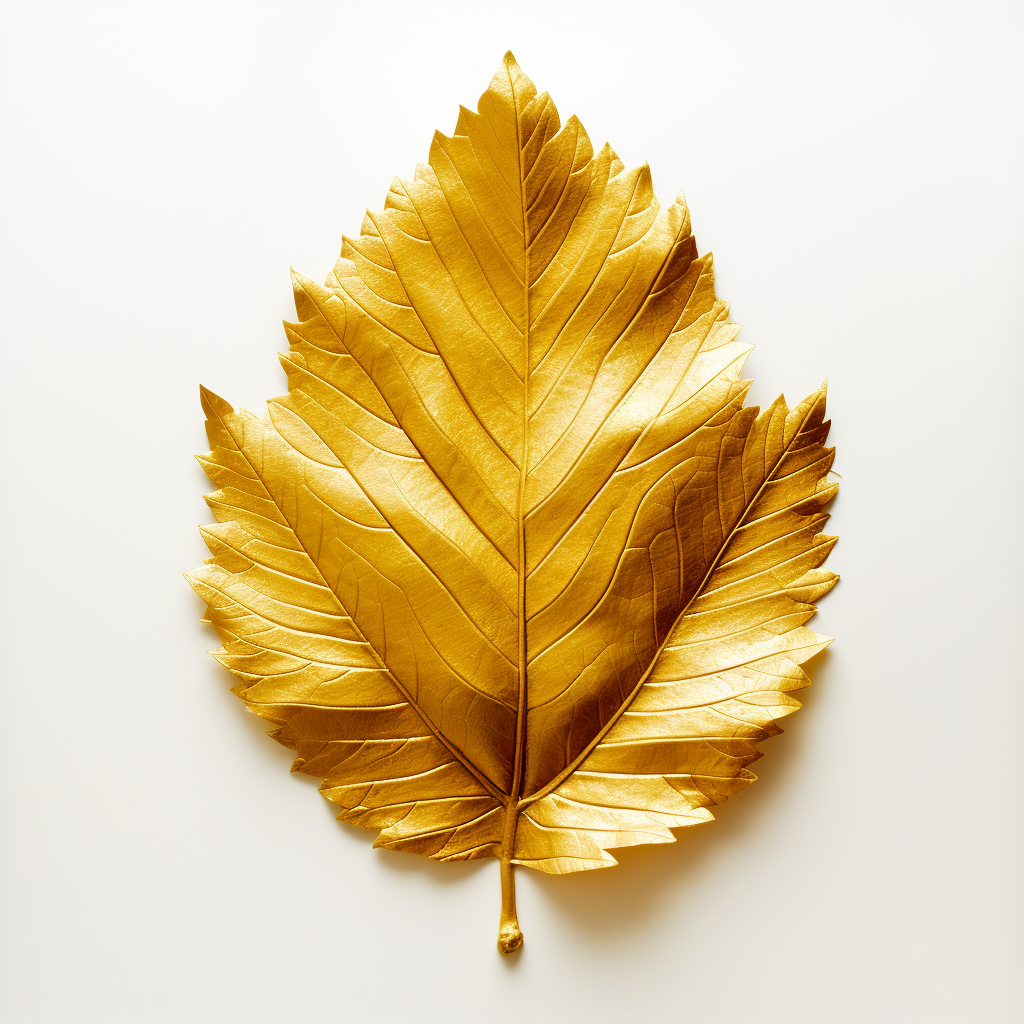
x: 510, y: 938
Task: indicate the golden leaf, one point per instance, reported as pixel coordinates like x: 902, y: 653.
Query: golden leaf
x: 510, y: 566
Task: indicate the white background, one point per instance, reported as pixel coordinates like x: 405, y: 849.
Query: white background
x: 856, y: 168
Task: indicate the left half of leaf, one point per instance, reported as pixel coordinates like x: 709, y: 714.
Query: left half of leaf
x: 304, y: 663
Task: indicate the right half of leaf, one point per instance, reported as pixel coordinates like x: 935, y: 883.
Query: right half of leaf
x: 724, y: 674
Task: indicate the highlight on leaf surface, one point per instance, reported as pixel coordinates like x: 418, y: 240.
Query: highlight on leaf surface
x: 510, y: 566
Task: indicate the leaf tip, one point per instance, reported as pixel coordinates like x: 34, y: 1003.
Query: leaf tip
x: 213, y: 405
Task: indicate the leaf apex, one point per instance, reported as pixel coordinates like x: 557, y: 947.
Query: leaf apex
x: 213, y: 405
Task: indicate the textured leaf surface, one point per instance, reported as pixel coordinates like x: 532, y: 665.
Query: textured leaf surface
x: 511, y: 567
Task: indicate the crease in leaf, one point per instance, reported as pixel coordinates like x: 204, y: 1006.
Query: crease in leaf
x: 510, y: 567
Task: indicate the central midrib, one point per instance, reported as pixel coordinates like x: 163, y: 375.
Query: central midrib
x: 511, y: 811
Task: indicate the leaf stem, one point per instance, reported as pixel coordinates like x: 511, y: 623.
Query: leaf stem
x: 510, y: 937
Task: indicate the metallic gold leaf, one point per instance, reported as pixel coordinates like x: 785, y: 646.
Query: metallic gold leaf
x: 510, y: 567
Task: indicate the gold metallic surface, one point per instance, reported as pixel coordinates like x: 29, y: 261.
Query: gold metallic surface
x: 510, y: 567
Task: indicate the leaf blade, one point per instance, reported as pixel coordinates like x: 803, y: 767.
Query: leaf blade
x: 507, y: 497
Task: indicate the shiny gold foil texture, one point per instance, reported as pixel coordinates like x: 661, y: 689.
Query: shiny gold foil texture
x: 510, y: 566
